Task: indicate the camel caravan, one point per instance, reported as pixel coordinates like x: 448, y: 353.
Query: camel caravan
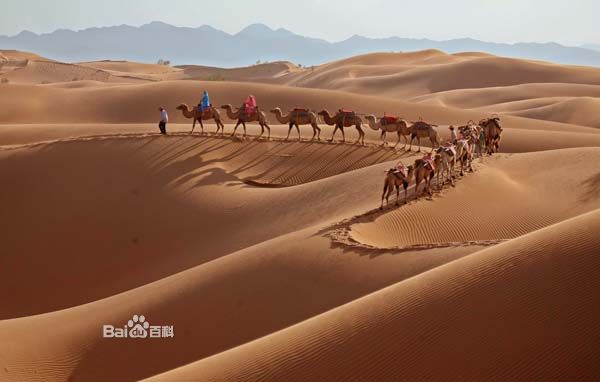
x: 473, y: 140
x: 250, y: 112
x: 443, y: 160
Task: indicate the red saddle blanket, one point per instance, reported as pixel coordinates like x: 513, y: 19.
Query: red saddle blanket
x: 346, y: 111
x: 301, y: 109
x: 389, y: 119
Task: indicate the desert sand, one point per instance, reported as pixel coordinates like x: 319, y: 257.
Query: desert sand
x: 270, y: 258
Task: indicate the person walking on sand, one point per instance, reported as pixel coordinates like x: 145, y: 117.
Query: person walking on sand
x: 164, y: 119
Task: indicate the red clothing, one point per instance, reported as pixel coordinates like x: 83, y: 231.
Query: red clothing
x: 250, y: 105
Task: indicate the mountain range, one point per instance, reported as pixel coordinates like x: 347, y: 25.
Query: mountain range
x: 206, y: 45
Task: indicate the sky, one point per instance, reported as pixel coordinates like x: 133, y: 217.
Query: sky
x: 567, y: 22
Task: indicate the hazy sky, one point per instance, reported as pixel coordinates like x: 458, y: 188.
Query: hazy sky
x: 569, y: 22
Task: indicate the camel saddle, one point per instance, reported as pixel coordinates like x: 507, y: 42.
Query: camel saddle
x: 400, y: 169
x: 347, y: 113
x: 450, y: 149
x: 429, y: 161
x: 207, y: 113
x: 388, y: 120
x: 301, y: 109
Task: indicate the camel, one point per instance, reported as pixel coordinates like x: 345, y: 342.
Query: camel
x: 210, y: 113
x: 400, y: 127
x: 344, y: 119
x: 464, y: 155
x: 258, y: 116
x: 422, y: 129
x: 492, y: 132
x: 424, y: 171
x: 298, y: 117
x: 447, y: 162
x: 395, y: 178
x: 470, y: 132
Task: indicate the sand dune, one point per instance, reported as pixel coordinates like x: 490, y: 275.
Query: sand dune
x: 519, y: 312
x: 270, y: 258
x: 578, y: 111
x: 18, y: 55
x: 44, y: 72
x: 414, y: 74
x: 468, y: 213
x: 474, y: 98
x: 259, y: 72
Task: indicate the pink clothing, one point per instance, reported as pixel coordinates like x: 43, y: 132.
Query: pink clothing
x: 250, y: 105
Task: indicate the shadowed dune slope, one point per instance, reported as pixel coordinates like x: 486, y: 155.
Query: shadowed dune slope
x: 522, y: 310
x: 171, y: 201
x: 536, y: 190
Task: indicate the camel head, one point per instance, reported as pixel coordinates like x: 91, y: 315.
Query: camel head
x: 182, y: 106
x: 227, y: 106
x: 275, y: 110
x: 370, y: 118
x: 323, y: 113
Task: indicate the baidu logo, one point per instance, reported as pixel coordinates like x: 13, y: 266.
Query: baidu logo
x: 138, y: 327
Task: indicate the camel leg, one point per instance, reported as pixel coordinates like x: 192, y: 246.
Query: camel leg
x: 419, y: 140
x: 430, y: 177
x: 385, y: 187
x: 397, y: 194
x: 361, y: 135
x: 298, y: 128
x: 398, y: 141
x: 201, y: 126
x: 262, y: 130
x: 334, y: 131
x: 343, y: 135
x: 405, y: 192
x: 268, y: 131
x: 289, y: 130
x: 314, y: 133
x: 244, y: 124
x: 318, y: 129
x: 411, y: 141
x: 235, y: 128
x: 383, y: 141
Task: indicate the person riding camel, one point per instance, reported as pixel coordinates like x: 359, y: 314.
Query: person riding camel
x: 250, y: 105
x: 205, y: 103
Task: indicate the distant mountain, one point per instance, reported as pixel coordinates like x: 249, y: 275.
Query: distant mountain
x: 209, y: 46
x: 592, y: 46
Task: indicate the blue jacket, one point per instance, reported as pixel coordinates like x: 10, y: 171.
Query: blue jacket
x: 205, y: 104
